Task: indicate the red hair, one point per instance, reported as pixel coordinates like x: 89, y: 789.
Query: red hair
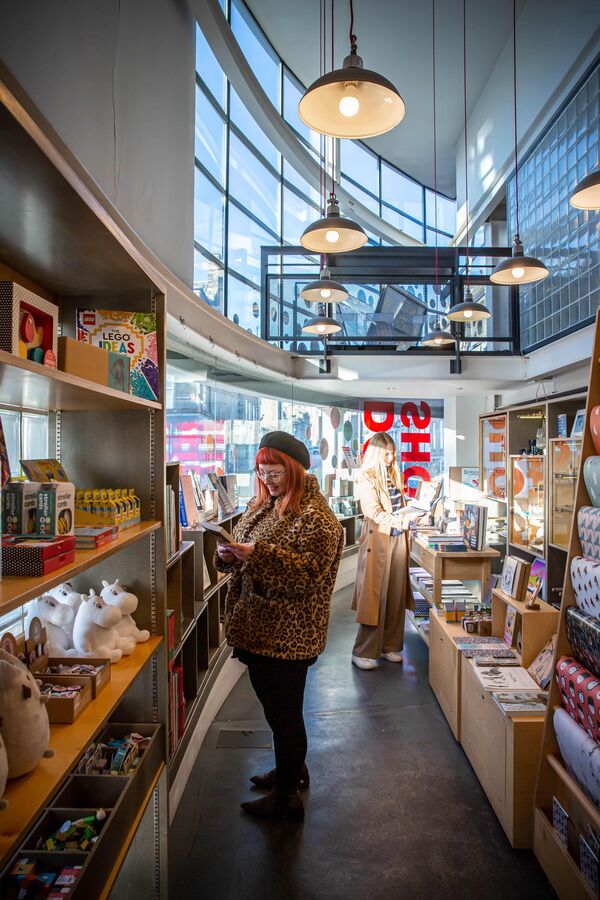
x: 296, y: 477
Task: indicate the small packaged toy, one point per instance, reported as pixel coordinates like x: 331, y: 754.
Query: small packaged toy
x: 56, y: 509
x: 19, y: 508
x: 79, y: 834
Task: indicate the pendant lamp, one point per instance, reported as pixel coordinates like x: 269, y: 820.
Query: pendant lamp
x: 351, y: 102
x: 519, y: 269
x: 322, y: 324
x: 333, y: 234
x: 469, y: 310
x: 438, y: 338
x: 587, y: 193
x: 324, y: 289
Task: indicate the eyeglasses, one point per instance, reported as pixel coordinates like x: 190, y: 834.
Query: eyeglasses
x: 270, y: 476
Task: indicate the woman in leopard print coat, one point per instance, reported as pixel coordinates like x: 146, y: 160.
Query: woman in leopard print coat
x: 284, y: 562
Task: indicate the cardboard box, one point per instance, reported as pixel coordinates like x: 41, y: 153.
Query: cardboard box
x: 35, y: 557
x: 56, y: 509
x: 64, y: 710
x: 94, y: 363
x: 28, y: 323
x: 19, y: 507
x: 98, y: 681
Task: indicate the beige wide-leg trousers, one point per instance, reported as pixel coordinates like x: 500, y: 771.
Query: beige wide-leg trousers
x: 388, y: 635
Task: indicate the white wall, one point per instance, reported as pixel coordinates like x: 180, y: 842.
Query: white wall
x: 556, y: 42
x: 461, y: 428
x: 115, y: 78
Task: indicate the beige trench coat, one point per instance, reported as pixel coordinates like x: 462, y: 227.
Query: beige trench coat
x: 375, y: 551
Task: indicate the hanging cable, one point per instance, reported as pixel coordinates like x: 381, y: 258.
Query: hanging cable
x: 437, y: 286
x: 352, y: 35
x: 331, y: 146
x: 515, y: 117
x: 465, y: 135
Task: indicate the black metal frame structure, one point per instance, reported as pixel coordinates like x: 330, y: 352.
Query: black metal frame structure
x: 389, y: 266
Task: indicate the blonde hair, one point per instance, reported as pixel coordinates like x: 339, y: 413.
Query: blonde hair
x: 373, y: 465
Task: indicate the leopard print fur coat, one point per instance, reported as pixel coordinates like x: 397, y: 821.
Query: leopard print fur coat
x: 278, y: 602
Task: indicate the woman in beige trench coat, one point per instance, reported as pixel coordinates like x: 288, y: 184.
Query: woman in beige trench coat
x: 382, y: 587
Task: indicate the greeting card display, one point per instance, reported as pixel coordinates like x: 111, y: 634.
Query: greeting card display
x: 583, y: 632
x: 131, y: 333
x: 588, y: 526
x: 585, y: 578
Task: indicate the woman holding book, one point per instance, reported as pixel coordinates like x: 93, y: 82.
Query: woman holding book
x: 284, y: 562
x: 382, y: 587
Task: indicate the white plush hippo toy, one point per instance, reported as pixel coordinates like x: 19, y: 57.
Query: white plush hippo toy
x: 117, y: 595
x: 94, y: 630
x: 55, y: 617
x: 23, y: 717
x: 66, y: 594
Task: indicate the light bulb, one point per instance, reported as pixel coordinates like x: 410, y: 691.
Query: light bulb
x: 437, y: 340
x: 349, y: 105
x: 468, y: 313
x: 518, y: 272
x: 321, y: 329
x: 332, y: 236
x: 325, y: 293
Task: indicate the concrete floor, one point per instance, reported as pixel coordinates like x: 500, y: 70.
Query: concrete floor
x: 394, y: 808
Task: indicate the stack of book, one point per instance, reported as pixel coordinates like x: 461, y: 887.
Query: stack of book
x: 451, y: 543
x: 91, y: 538
x: 474, y: 526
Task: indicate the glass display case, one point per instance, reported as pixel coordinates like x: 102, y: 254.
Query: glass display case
x: 527, y: 515
x: 564, y: 466
x: 492, y: 456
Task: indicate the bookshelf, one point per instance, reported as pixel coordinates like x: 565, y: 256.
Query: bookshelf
x: 75, y: 253
x: 560, y: 863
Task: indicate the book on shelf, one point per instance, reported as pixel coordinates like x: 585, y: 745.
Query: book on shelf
x: 225, y: 502
x: 541, y: 668
x: 515, y: 572
x: 521, y: 703
x: 474, y: 526
x: 506, y: 678
x: 510, y: 626
x: 171, y: 521
x: 189, y: 498
x: 93, y: 537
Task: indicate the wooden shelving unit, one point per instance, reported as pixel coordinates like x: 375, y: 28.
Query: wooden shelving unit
x: 76, y: 253
x: 562, y: 865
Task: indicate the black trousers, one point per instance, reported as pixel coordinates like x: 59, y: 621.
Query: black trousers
x: 279, y: 685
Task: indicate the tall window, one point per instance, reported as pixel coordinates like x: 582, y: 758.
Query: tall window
x: 247, y: 197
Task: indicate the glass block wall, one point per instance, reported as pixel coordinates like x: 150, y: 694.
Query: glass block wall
x: 566, y: 239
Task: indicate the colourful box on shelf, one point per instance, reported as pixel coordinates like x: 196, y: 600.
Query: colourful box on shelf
x: 130, y: 333
x: 94, y: 363
x: 19, y: 507
x: 585, y: 578
x: 35, y: 557
x: 580, y: 753
x: 56, y: 509
x: 580, y: 692
x: 591, y: 476
x: 583, y: 633
x: 91, y: 538
x: 65, y: 710
x: 28, y: 324
x: 98, y: 680
x: 588, y: 526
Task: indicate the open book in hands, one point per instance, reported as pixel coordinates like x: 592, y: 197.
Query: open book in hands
x: 221, y: 534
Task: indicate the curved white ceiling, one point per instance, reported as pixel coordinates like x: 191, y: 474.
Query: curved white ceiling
x: 395, y: 38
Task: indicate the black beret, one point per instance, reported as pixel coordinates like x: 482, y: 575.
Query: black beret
x: 286, y: 443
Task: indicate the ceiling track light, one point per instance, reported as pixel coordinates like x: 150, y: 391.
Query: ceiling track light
x: 587, y: 192
x: 438, y: 339
x: 468, y: 311
x: 324, y: 290
x: 351, y: 102
x: 333, y: 234
x: 519, y: 269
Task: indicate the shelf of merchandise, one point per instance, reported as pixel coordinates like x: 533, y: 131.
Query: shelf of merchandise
x: 29, y: 385
x: 528, y: 504
x: 30, y: 793
x: 77, y: 251
x: 560, y: 864
x: 418, y: 626
x: 16, y: 590
x: 564, y: 466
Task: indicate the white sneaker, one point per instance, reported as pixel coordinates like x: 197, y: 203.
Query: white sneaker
x: 394, y: 656
x: 363, y: 663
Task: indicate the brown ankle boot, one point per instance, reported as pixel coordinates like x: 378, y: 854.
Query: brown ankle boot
x: 267, y: 779
x: 277, y: 805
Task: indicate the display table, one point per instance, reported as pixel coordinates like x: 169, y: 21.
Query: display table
x: 470, y: 565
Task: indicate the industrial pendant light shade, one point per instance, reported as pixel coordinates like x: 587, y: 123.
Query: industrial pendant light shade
x: 468, y: 310
x: 587, y: 193
x: 324, y: 289
x: 351, y: 102
x: 438, y: 338
x: 519, y: 269
x: 321, y: 325
x: 333, y: 234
